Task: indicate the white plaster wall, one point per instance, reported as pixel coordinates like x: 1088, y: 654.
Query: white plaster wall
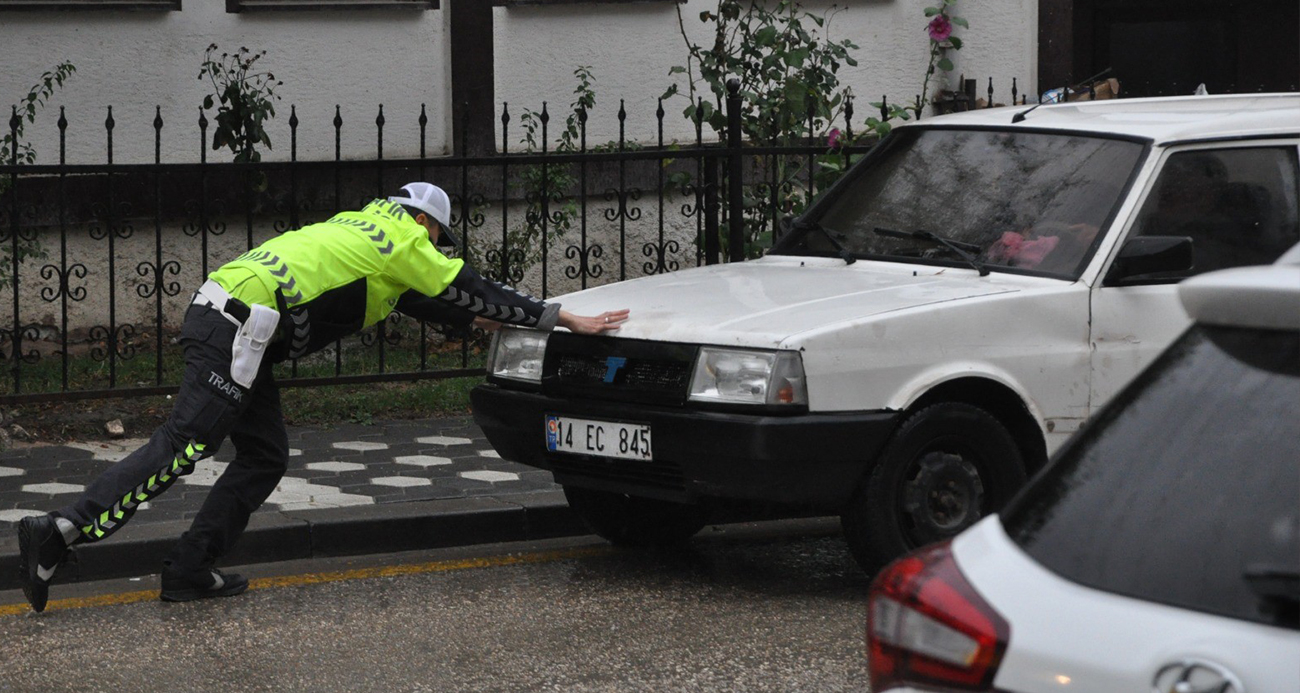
x: 632, y: 47
x: 135, y: 61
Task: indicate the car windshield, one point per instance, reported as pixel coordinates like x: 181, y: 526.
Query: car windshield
x: 1022, y: 201
x: 1186, y: 489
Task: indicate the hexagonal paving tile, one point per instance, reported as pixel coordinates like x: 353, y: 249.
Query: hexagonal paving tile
x: 10, y: 471
x: 16, y: 515
x: 485, y: 475
x: 300, y: 494
x: 489, y: 453
x: 443, y: 440
x: 294, y: 452
x: 292, y: 493
x: 400, y: 481
x: 359, y: 445
x: 421, y: 460
x: 111, y: 451
x: 54, y: 488
x: 335, y: 466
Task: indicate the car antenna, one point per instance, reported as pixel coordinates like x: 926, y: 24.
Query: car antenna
x: 1065, y: 95
x: 1021, y: 115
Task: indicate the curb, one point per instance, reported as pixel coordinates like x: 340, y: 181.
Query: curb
x: 281, y: 536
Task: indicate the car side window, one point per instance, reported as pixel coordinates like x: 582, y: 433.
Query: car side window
x: 1238, y: 205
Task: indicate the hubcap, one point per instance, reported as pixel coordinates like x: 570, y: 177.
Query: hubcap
x: 942, y: 497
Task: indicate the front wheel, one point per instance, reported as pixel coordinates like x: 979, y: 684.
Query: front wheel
x: 626, y: 520
x: 945, y: 467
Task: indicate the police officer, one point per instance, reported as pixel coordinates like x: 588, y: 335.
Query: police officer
x: 291, y: 296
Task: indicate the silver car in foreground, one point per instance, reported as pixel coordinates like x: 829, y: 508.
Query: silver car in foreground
x: 1160, y: 548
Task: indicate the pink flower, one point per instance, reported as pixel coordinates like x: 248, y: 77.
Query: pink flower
x: 940, y: 28
x: 834, y: 140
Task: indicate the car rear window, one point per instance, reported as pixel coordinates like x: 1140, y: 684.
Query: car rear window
x: 1186, y: 488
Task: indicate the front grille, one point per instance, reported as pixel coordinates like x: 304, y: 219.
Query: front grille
x: 617, y: 369
x: 639, y: 374
x: 639, y: 473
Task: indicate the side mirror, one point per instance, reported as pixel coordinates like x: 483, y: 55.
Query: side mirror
x: 1148, y: 255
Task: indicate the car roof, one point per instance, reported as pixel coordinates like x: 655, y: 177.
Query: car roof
x: 1163, y: 120
x: 1266, y: 296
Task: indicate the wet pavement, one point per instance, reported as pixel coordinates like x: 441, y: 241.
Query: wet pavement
x: 765, y: 607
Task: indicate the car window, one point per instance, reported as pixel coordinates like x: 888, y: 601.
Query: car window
x: 1026, y: 201
x: 1186, y: 489
x: 1239, y: 206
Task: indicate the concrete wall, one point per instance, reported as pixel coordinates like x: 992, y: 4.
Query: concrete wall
x: 135, y: 61
x: 632, y: 47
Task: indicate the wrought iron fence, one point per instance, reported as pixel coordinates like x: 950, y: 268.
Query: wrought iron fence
x: 94, y: 304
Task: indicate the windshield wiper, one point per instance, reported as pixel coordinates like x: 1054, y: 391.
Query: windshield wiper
x: 840, y: 250
x: 962, y: 249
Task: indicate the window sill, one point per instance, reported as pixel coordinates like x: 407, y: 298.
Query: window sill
x: 137, y: 5
x: 535, y: 3
x: 300, y: 5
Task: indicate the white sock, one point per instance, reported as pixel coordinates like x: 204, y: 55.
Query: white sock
x: 67, y: 529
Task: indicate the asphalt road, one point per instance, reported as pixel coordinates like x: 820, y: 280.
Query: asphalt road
x: 768, y: 607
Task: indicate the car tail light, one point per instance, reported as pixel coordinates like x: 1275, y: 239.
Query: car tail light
x: 926, y: 625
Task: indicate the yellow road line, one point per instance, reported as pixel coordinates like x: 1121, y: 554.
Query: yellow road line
x: 333, y: 576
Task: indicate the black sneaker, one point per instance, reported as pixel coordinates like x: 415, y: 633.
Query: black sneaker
x: 186, y: 586
x: 41, y: 549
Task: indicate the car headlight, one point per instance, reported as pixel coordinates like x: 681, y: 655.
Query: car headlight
x: 748, y: 377
x: 517, y: 354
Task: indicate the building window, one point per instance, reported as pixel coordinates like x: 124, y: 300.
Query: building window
x: 276, y: 5
x: 90, y: 5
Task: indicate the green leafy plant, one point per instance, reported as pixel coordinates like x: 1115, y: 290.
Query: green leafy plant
x: 788, y: 70
x: 789, y: 86
x: 545, y: 192
x: 247, y: 101
x: 940, y: 29
x: 16, y: 151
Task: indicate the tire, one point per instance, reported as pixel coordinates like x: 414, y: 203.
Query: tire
x: 945, y: 467
x: 625, y: 520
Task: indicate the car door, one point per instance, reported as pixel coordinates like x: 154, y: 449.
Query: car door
x: 1237, y: 201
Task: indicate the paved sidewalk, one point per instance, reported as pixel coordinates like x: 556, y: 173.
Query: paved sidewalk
x: 329, y: 467
x: 350, y: 489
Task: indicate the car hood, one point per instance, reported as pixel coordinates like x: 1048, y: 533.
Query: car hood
x: 765, y: 303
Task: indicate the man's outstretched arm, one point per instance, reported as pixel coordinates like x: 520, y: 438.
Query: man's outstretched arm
x: 472, y: 293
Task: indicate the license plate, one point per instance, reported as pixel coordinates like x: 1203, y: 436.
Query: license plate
x: 600, y: 438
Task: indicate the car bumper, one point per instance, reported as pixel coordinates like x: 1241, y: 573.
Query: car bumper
x: 809, y: 459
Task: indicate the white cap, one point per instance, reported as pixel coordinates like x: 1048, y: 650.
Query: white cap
x: 427, y: 198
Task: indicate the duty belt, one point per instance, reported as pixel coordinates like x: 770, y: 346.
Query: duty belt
x: 211, y: 294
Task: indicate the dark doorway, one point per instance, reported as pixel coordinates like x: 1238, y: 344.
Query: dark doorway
x: 1157, y: 47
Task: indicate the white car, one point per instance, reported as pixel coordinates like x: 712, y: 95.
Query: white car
x: 921, y: 339
x: 1160, y: 549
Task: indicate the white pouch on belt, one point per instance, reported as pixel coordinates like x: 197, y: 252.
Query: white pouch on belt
x: 250, y: 343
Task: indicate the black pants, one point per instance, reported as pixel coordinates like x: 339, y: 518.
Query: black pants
x: 208, y: 407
